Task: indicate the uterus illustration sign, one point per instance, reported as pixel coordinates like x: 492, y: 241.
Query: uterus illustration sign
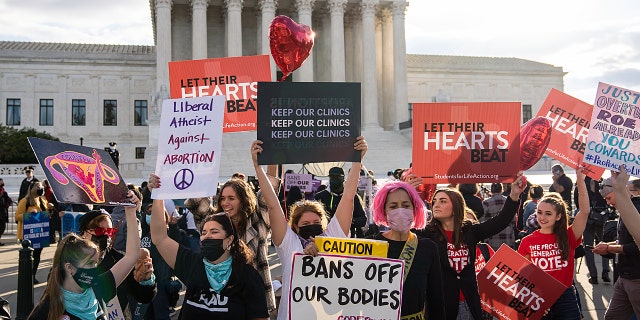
x: 80, y: 174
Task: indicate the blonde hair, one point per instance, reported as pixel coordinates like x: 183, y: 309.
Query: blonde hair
x: 300, y: 207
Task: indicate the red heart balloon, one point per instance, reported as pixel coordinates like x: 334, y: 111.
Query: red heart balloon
x: 534, y: 140
x: 290, y: 43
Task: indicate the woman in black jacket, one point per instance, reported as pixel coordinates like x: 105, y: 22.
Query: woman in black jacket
x: 456, y: 239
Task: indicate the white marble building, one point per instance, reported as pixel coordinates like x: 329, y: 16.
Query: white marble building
x: 356, y: 40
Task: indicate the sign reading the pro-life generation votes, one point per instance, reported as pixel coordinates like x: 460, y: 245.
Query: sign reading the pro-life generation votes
x: 344, y: 287
x: 189, y: 147
x: 511, y: 287
x: 35, y: 228
x: 307, y: 122
x: 80, y: 174
x: 234, y: 77
x: 569, y: 119
x: 466, y: 142
x: 614, y: 132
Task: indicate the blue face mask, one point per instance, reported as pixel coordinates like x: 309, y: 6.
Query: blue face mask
x: 218, y: 274
x: 148, y: 219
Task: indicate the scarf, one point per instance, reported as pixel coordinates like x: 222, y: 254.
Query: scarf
x: 218, y: 274
x: 82, y: 305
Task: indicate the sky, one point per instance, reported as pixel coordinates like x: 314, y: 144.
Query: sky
x: 591, y: 40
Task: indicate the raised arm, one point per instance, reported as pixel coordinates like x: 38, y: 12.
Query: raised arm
x: 123, y: 267
x: 276, y: 215
x: 344, y: 212
x: 166, y: 246
x: 628, y: 212
x: 580, y: 220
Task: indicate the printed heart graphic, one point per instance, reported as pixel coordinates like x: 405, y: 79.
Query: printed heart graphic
x: 290, y: 43
x: 534, y: 140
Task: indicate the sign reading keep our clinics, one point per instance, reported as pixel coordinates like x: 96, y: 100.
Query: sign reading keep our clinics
x: 614, y: 133
x: 344, y: 287
x: 305, y: 122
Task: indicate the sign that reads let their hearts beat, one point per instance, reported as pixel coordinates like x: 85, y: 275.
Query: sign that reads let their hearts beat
x: 189, y: 146
x: 614, y: 133
x: 466, y: 142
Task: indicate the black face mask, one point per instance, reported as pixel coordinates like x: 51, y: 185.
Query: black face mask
x: 336, y: 185
x: 101, y: 241
x: 211, y: 249
x: 40, y: 192
x: 85, y: 277
x: 310, y: 230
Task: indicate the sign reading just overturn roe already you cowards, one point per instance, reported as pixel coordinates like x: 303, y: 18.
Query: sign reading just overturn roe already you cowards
x: 235, y: 77
x: 306, y: 122
x: 466, y: 142
x: 614, y: 133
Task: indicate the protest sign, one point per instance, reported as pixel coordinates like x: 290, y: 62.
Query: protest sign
x: 302, y: 122
x: 93, y: 175
x: 70, y: 222
x: 343, y: 287
x: 35, y: 228
x: 614, y: 134
x: 569, y: 119
x: 364, y: 183
x: 352, y: 246
x: 300, y: 180
x: 511, y: 287
x: 189, y: 146
x: 465, y: 142
x: 236, y: 78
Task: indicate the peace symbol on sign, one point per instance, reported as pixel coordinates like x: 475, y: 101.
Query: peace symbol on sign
x: 183, y: 179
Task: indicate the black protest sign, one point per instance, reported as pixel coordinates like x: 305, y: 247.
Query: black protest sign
x: 308, y: 122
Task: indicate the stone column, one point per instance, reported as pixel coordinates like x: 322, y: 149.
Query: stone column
x: 199, y: 28
x: 400, y: 62
x: 388, y: 87
x: 305, y: 9
x: 268, y: 9
x: 234, y: 27
x: 349, y: 49
x: 336, y: 9
x: 369, y: 74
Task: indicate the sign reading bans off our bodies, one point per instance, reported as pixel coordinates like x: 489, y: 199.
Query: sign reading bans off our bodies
x: 614, y: 133
x: 305, y: 122
x: 345, y: 287
x: 465, y: 142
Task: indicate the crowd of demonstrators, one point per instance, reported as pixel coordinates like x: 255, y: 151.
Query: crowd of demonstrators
x: 492, y: 207
x: 456, y: 238
x: 399, y: 207
x: 469, y: 193
x: 331, y: 196
x: 77, y: 287
x: 552, y: 247
x: 5, y: 203
x: 308, y: 218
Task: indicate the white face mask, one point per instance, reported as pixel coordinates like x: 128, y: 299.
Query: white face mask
x: 400, y: 219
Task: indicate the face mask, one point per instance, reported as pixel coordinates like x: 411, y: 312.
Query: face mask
x: 101, y: 241
x: 336, y: 184
x: 148, y: 219
x: 310, y: 230
x: 40, y: 192
x: 211, y: 249
x: 85, y: 277
x: 400, y: 219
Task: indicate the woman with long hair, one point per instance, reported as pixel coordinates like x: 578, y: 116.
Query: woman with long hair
x: 237, y: 198
x: 456, y: 238
x: 220, y: 281
x: 398, y: 206
x: 552, y: 247
x: 308, y: 218
x: 33, y: 202
x: 76, y: 287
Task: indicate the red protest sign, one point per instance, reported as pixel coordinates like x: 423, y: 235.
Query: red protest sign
x: 570, y: 124
x: 511, y: 287
x: 235, y: 77
x: 466, y: 142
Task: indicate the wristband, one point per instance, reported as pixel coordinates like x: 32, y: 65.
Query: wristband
x: 149, y: 282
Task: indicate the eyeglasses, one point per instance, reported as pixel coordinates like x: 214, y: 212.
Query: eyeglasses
x: 99, y: 231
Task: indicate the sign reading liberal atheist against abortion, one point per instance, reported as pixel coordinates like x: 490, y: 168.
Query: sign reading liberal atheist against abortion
x: 235, y: 77
x: 614, y: 133
x: 307, y: 122
x: 511, y: 287
x: 80, y: 174
x: 466, y: 142
x: 189, y: 146
x: 344, y: 287
x: 569, y: 119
